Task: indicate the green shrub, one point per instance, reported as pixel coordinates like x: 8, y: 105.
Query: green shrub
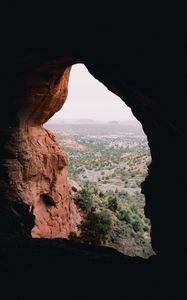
x: 72, y: 236
x: 112, y: 203
x: 101, y: 195
x: 95, y: 227
x: 84, y: 200
x: 117, y: 232
x: 137, y: 223
x: 124, y: 215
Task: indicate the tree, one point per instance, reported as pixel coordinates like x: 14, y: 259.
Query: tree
x: 95, y: 227
x: 84, y: 200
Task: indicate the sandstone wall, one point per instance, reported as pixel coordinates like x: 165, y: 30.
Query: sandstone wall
x: 35, y: 166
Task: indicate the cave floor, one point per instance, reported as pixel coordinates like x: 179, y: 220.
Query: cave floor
x: 62, y: 269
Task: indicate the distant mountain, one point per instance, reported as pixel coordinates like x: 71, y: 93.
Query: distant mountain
x: 113, y: 122
x: 97, y: 129
x: 92, y: 122
x: 88, y: 121
x: 68, y: 121
x: 134, y: 122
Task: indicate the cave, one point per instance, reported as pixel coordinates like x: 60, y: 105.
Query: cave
x: 140, y: 64
x: 111, y: 158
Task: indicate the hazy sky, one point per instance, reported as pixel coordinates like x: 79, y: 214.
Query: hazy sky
x: 90, y: 99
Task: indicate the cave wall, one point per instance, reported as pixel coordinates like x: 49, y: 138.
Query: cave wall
x: 34, y: 165
x: 139, y: 59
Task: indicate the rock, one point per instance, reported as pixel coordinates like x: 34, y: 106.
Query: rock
x: 35, y: 166
x: 15, y: 217
x: 74, y: 189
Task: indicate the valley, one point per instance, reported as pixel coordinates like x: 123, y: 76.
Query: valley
x: 108, y: 162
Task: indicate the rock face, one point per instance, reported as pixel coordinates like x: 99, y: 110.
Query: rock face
x: 15, y: 218
x: 35, y: 166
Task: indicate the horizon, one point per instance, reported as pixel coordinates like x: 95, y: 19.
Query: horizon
x: 88, y: 98
x: 85, y: 120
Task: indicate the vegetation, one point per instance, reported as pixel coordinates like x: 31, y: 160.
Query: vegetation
x: 109, y: 171
x: 113, y: 220
x: 95, y: 227
x: 84, y: 200
x: 112, y: 203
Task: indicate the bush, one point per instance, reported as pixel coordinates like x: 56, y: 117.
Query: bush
x: 72, y: 236
x: 124, y: 215
x: 117, y: 232
x: 84, y: 200
x: 91, y: 187
x: 137, y: 224
x: 112, y: 203
x: 101, y: 195
x: 95, y: 227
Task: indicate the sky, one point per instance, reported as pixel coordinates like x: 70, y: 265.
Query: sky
x: 90, y: 99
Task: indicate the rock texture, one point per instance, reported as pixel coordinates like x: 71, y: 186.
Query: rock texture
x: 35, y: 166
x: 15, y: 217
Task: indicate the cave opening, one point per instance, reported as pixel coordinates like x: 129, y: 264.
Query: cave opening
x: 108, y: 159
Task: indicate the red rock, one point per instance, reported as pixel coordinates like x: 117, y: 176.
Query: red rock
x: 37, y: 169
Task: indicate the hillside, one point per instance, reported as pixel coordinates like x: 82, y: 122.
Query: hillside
x: 109, y: 162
